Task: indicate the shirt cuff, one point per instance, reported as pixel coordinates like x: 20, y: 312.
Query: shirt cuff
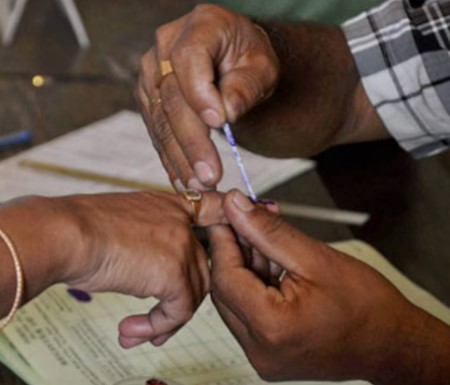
x: 405, y: 71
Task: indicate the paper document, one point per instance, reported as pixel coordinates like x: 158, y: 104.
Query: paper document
x: 119, y: 146
x: 58, y: 339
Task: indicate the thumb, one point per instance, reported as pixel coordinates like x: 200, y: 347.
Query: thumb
x: 274, y: 238
x: 243, y: 88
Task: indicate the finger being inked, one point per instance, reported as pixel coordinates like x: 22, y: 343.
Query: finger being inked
x: 274, y: 238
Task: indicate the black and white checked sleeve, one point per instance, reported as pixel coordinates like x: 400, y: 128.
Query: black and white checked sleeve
x: 402, y: 51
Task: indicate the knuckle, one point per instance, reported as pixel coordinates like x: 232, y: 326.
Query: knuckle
x: 220, y: 283
x: 171, y: 98
x: 163, y: 135
x: 157, y: 146
x: 182, y: 52
x: 204, y: 13
x: 188, y: 306
x: 192, y: 145
x: 145, y: 62
x: 255, y: 87
x: 272, y: 225
x: 161, y: 33
x: 249, y: 92
x: 187, y: 311
x: 272, y: 73
x: 200, y: 9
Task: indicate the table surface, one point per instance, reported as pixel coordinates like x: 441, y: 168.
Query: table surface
x: 408, y: 199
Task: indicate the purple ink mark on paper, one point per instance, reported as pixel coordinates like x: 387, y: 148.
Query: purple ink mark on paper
x: 79, y: 295
x: 155, y: 381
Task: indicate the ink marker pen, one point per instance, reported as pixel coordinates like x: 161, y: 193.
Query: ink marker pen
x: 15, y: 139
x: 238, y: 159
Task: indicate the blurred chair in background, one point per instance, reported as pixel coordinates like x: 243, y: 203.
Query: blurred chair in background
x: 11, y: 13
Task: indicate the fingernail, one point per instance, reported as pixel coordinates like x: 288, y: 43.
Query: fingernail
x: 179, y: 186
x: 204, y: 172
x: 211, y: 118
x: 242, y: 202
x: 195, y: 184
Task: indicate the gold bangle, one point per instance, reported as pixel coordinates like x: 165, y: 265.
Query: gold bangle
x: 19, y: 279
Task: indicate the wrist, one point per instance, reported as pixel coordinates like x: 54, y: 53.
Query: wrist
x: 75, y: 242
x: 418, y: 352
x: 43, y: 237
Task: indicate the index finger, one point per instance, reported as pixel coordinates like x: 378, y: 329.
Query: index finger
x: 188, y: 126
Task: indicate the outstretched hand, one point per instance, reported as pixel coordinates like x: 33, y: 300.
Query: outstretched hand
x: 140, y: 244
x: 143, y: 244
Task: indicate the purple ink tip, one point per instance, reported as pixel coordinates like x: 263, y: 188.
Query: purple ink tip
x: 79, y: 295
x: 155, y: 381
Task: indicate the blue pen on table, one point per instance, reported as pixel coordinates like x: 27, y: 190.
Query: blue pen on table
x: 15, y: 139
x: 238, y: 159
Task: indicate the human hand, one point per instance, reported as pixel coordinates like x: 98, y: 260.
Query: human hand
x: 331, y: 317
x: 142, y: 244
x: 223, y: 65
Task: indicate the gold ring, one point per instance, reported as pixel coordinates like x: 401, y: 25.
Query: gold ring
x: 165, y: 68
x: 194, y: 197
x: 156, y: 100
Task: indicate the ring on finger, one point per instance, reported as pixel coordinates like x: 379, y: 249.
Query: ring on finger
x: 194, y: 197
x: 165, y: 68
x: 155, y: 101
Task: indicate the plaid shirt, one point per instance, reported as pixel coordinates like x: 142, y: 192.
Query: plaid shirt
x: 402, y: 51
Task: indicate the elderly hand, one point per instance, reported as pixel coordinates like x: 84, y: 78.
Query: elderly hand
x: 330, y: 318
x: 223, y: 65
x: 141, y: 244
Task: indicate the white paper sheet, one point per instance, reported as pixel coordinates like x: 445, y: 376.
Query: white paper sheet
x: 120, y: 146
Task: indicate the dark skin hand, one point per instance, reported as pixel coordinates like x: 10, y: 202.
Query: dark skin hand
x: 113, y: 242
x: 331, y: 317
x: 290, y: 90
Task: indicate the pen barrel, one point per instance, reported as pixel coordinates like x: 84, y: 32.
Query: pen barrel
x: 15, y: 138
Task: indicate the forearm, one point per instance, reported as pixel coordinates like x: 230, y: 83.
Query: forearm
x: 319, y: 101
x: 43, y: 238
x: 420, y: 354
